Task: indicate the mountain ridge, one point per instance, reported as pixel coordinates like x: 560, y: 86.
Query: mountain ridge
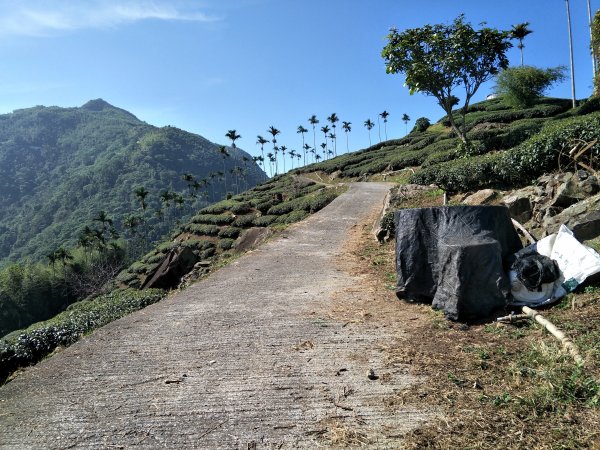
x: 60, y: 166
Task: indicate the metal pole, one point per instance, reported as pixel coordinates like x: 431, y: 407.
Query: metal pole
x: 594, y: 60
x: 571, y: 53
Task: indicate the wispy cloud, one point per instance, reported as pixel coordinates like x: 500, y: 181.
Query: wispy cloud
x: 49, y: 17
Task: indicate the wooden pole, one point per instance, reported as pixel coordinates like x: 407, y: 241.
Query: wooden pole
x: 566, y: 342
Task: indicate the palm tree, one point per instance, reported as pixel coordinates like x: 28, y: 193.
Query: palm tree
x: 299, y: 156
x: 232, y: 134
x: 270, y: 157
x: 225, y: 155
x: 262, y: 141
x: 519, y: 32
x: 324, y: 148
x: 314, y: 121
x: 283, y: 148
x: 347, y: 129
x: 325, y: 130
x: 274, y: 132
x: 63, y: 255
x: 302, y: 130
x: 384, y: 115
x: 333, y: 118
x: 369, y: 124
x: 141, y: 194
x: 571, y: 52
x: 318, y: 157
x: 379, y: 127
x: 306, y: 148
x: 292, y: 154
x: 405, y: 119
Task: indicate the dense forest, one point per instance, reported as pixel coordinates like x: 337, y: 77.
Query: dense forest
x: 60, y: 167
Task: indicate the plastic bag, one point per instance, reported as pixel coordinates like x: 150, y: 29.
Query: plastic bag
x: 575, y: 261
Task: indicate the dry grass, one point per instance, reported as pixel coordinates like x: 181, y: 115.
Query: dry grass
x: 499, y: 386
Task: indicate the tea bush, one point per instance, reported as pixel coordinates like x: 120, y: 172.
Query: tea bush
x: 26, y: 347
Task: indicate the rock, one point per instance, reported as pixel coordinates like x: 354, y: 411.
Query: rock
x: 371, y: 375
x: 519, y: 204
x: 582, y: 218
x: 200, y: 264
x: 567, y: 194
x: 252, y: 237
x: 177, y: 263
x: 589, y: 186
x: 481, y: 197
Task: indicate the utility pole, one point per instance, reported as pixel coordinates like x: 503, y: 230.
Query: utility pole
x: 594, y: 56
x: 571, y: 53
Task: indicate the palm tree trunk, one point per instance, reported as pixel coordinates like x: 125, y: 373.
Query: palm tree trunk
x: 379, y: 128
x: 571, y: 53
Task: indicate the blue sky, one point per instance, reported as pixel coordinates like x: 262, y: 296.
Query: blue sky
x: 209, y: 66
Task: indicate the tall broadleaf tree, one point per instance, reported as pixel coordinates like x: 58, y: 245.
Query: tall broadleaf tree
x: 346, y: 126
x: 438, y: 59
x: 369, y: 125
x: 519, y: 32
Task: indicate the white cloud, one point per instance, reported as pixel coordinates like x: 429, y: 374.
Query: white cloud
x: 46, y: 18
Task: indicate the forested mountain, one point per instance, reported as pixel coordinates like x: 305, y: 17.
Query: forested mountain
x: 59, y: 167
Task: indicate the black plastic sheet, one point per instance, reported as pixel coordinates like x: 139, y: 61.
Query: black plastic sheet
x: 453, y: 257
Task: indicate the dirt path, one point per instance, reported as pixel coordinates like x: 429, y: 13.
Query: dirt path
x: 271, y: 351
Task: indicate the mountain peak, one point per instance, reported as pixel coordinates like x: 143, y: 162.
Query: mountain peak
x: 97, y: 105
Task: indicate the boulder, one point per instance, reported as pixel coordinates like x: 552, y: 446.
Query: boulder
x: 583, y: 218
x: 519, y: 203
x: 177, y: 263
x: 482, y: 197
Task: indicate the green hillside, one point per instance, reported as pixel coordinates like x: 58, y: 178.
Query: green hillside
x: 60, y: 166
x: 509, y: 147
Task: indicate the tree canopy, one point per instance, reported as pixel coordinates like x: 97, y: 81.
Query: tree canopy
x: 438, y: 59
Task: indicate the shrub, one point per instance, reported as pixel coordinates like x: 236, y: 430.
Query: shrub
x: 421, y: 124
x: 214, y: 219
x: 29, y: 346
x: 321, y: 200
x: 166, y: 246
x: 532, y: 158
x: 198, y: 244
x: 241, y: 208
x: 292, y: 217
x: 264, y: 206
x: 230, y: 232
x: 244, y: 221
x: 590, y: 105
x: 264, y: 221
x: 126, y: 276
x: 218, y: 208
x: 198, y: 228
x: 522, y: 86
x: 226, y: 244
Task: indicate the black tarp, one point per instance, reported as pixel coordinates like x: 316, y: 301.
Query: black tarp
x: 453, y: 257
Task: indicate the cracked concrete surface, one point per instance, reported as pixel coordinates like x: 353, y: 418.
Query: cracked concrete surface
x: 250, y: 357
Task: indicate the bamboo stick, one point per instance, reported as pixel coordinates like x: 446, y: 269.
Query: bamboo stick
x: 522, y: 229
x: 566, y: 342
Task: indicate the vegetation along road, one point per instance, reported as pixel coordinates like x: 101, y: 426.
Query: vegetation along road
x: 273, y: 351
